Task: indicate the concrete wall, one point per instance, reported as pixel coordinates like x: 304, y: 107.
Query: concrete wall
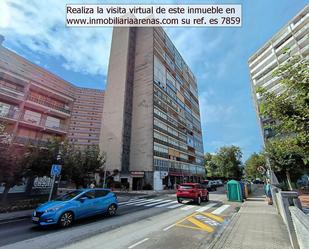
x: 112, y: 121
x: 301, y: 226
x: 141, y: 154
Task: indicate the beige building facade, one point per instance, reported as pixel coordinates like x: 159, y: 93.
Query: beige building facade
x: 151, y: 130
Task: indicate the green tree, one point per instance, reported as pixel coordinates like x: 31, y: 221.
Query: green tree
x: 288, y: 150
x: 228, y: 161
x: 225, y: 163
x: 210, y: 166
x: 11, y: 168
x: 79, y: 165
x: 252, y: 163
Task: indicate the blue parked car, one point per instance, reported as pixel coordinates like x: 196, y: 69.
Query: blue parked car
x: 74, y: 205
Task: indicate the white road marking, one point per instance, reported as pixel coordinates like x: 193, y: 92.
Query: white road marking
x: 153, y: 204
x: 136, y: 202
x: 131, y: 201
x: 166, y: 204
x: 176, y: 205
x: 220, y: 209
x: 187, y: 207
x: 206, y: 207
x: 167, y: 228
x: 138, y: 243
x: 147, y: 202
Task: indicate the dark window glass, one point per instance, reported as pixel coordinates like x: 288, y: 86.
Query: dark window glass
x: 89, y: 194
x: 101, y: 193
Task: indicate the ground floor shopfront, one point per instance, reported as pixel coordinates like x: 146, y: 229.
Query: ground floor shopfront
x: 156, y: 180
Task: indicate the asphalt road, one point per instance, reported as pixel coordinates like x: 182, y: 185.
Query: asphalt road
x: 135, y: 220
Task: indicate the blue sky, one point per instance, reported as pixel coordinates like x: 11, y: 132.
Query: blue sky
x: 217, y: 56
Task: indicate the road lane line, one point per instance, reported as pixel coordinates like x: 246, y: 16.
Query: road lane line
x: 156, y: 203
x: 187, y: 207
x: 210, y: 205
x: 176, y: 205
x: 167, y: 228
x: 220, y: 209
x: 148, y: 202
x: 166, y: 204
x: 138, y: 243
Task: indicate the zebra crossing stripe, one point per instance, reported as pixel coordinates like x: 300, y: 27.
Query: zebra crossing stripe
x: 187, y: 207
x: 220, y: 209
x: 147, y: 202
x: 210, y: 205
x: 136, y: 202
x: 153, y: 204
x: 130, y: 201
x: 176, y: 205
x: 166, y: 204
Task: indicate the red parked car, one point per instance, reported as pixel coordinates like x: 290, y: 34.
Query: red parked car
x: 192, y: 191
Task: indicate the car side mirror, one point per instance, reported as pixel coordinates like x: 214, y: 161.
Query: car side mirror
x: 83, y: 199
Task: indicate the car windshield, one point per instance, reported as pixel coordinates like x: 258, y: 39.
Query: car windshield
x: 186, y: 186
x: 69, y: 195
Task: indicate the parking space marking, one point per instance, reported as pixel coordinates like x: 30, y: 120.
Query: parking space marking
x: 201, y: 225
x: 220, y: 209
x: 200, y: 221
x: 138, y: 243
x: 214, y: 217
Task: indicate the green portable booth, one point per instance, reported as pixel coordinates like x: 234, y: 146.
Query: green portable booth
x: 234, y: 191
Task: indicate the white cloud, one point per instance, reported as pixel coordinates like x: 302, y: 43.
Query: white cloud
x: 40, y: 27
x: 210, y: 112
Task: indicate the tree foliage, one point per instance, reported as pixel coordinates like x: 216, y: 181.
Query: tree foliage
x: 11, y: 168
x: 289, y: 111
x: 252, y: 164
x: 225, y: 163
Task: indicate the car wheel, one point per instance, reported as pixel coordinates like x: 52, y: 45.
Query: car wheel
x: 207, y: 198
x: 111, y: 211
x: 66, y: 219
x: 179, y: 200
x: 198, y: 200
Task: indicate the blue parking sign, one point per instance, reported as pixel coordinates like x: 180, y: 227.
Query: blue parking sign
x: 55, y: 170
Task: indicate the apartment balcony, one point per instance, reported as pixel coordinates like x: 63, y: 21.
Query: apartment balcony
x: 11, y: 116
x: 11, y: 94
x: 44, y: 105
x: 43, y: 124
x: 58, y: 128
x: 30, y: 141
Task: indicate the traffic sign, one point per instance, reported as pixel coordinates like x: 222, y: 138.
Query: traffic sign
x: 55, y: 170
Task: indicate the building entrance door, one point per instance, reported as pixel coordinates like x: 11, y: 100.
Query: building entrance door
x: 137, y: 183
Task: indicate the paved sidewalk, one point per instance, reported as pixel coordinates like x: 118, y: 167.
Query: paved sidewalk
x: 256, y: 225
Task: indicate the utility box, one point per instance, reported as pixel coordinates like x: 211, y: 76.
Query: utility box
x: 234, y: 191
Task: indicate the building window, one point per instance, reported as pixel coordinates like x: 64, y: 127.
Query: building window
x: 32, y: 117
